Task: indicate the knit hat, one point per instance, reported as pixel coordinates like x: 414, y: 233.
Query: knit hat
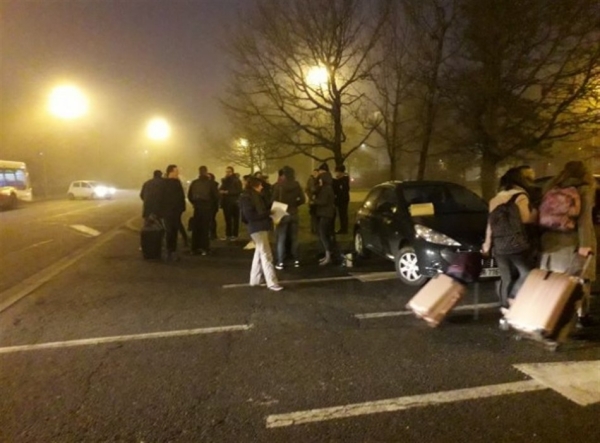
x: 324, y: 167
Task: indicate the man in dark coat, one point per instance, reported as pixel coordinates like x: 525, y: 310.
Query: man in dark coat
x: 341, y: 189
x: 151, y: 195
x: 213, y: 222
x: 173, y: 205
x: 230, y: 191
x: 203, y: 195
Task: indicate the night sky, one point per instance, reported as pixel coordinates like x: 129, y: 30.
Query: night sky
x: 134, y: 58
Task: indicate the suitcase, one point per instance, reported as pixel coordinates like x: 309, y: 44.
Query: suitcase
x: 545, y: 306
x: 433, y: 302
x: 152, y: 235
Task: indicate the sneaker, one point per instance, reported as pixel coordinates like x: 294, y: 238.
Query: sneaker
x: 276, y: 288
x: 224, y: 238
x: 296, y: 263
x: 279, y: 266
x: 233, y: 238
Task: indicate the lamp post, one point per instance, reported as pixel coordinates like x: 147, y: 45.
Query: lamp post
x: 158, y: 130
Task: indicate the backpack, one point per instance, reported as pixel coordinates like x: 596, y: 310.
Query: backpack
x: 560, y: 208
x: 508, y: 231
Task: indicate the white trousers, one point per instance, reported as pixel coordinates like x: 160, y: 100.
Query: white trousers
x: 262, y: 264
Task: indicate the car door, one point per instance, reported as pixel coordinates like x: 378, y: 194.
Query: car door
x: 86, y: 190
x: 386, y: 221
x: 76, y: 189
x: 365, y: 216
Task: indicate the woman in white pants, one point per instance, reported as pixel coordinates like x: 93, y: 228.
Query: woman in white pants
x: 257, y: 216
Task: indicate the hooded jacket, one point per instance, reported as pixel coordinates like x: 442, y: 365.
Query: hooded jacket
x: 288, y: 191
x: 255, y: 211
x: 325, y: 198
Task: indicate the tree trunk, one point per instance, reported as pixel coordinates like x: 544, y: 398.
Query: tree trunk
x: 393, y: 172
x: 488, y: 176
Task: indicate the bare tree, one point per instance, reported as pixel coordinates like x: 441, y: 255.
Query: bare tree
x: 528, y: 75
x: 298, y: 74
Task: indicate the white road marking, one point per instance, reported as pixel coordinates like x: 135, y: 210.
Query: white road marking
x: 373, y: 315
x: 400, y: 403
x: 284, y: 282
x: 374, y: 276
x: 123, y: 338
x: 86, y: 230
x: 76, y: 211
x: 35, y: 245
x: 578, y: 381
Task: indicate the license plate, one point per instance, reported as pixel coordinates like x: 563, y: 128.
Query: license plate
x: 490, y: 272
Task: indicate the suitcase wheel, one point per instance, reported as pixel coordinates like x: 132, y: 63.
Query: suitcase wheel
x: 518, y: 337
x: 552, y: 346
x: 503, y: 324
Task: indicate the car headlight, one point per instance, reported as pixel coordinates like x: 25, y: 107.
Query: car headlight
x: 100, y: 191
x: 435, y: 237
x: 112, y: 191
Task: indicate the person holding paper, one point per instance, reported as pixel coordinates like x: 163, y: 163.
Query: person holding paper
x: 256, y: 212
x: 288, y: 191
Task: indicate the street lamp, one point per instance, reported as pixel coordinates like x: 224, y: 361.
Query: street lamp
x: 317, y: 76
x: 158, y: 129
x: 67, y: 102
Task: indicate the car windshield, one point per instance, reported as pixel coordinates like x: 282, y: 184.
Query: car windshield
x: 446, y: 198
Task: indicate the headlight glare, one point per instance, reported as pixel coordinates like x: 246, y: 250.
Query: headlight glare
x: 434, y: 237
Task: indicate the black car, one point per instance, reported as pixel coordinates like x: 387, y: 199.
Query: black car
x: 421, y: 226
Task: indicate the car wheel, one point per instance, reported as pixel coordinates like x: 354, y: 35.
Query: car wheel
x: 359, y: 245
x: 407, y: 267
x: 70, y: 196
x: 13, y: 201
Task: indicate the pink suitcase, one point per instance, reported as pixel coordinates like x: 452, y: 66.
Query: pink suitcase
x: 546, y: 304
x: 433, y: 302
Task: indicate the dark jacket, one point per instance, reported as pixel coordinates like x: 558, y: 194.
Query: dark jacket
x: 287, y: 190
x: 325, y: 198
x: 255, y: 211
x: 233, y: 186
x: 152, y: 194
x: 203, y: 192
x: 341, y: 189
x: 173, y: 201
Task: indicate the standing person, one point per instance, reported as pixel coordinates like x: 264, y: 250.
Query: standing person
x: 287, y: 190
x: 255, y: 210
x: 267, y: 187
x: 568, y: 229
x: 213, y: 222
x: 506, y: 235
x: 204, y: 196
x: 324, y: 202
x: 230, y: 191
x: 173, y: 205
x: 341, y: 189
x: 151, y: 194
x: 311, y: 190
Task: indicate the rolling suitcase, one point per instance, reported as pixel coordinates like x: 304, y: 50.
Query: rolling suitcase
x: 152, y: 238
x: 545, y: 306
x: 433, y: 302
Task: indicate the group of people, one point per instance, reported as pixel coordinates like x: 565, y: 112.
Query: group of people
x: 551, y: 228
x: 250, y: 199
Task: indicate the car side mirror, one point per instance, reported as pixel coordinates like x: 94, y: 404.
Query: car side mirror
x: 421, y: 209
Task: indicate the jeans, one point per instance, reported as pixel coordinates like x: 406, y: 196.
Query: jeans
x: 201, y: 227
x: 231, y: 211
x: 326, y: 233
x: 514, y: 269
x: 172, y: 223
x: 287, y: 230
x: 262, y: 263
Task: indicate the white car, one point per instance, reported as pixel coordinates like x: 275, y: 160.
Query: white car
x: 89, y: 189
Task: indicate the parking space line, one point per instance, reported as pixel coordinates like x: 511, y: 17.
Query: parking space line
x: 400, y: 403
x: 124, y: 338
x: 374, y: 315
x: 284, y: 282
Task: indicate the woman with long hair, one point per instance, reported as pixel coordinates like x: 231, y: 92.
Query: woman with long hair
x: 568, y: 236
x: 257, y: 214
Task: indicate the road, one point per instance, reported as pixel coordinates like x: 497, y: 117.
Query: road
x: 115, y: 349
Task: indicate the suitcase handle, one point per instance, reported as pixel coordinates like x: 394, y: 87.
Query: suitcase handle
x: 586, y: 264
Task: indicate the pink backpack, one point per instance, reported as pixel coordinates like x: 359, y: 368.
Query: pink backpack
x: 560, y: 208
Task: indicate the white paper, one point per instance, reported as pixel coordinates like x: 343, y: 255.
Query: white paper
x: 278, y: 211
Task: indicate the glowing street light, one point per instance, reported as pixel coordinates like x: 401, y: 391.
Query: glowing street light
x: 67, y: 102
x: 244, y: 142
x: 317, y: 76
x: 158, y: 129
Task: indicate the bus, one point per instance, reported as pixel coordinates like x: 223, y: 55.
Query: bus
x: 14, y: 183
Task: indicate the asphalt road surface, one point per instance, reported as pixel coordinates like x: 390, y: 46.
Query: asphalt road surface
x: 111, y: 348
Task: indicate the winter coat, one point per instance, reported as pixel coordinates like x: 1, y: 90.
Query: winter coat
x: 203, y: 191
x: 152, y: 195
x: 324, y: 200
x: 288, y: 191
x: 341, y: 189
x: 173, y: 201
x: 255, y: 211
x: 559, y: 249
x: 233, y: 186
